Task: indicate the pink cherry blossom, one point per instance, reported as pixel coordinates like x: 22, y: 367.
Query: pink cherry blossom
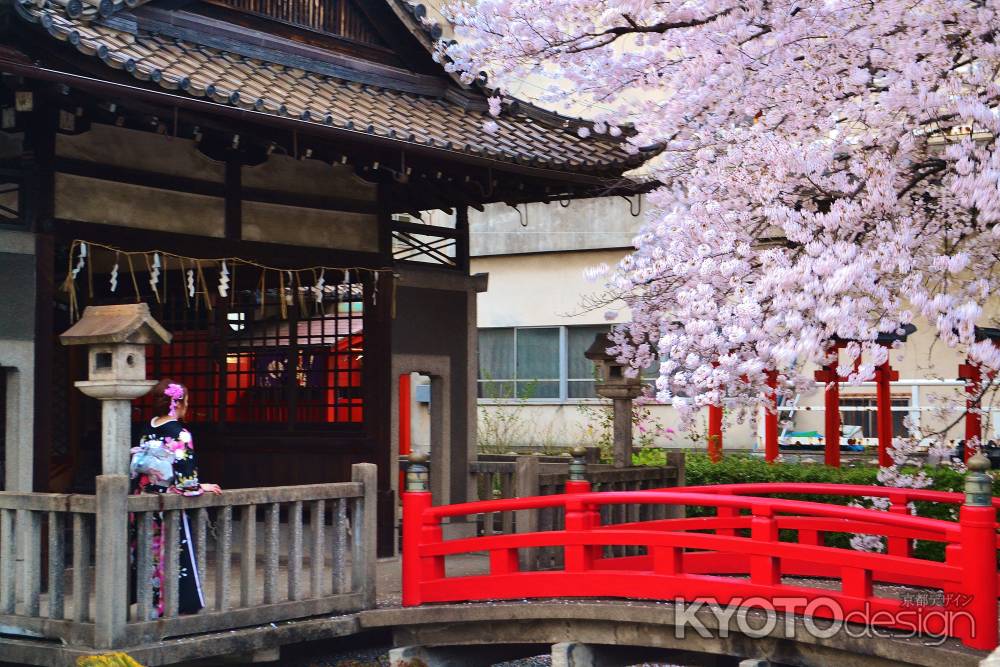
x: 828, y: 169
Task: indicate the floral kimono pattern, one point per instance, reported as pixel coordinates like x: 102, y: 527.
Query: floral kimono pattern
x: 172, y: 437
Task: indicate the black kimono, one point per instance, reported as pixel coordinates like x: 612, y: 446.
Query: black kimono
x: 173, y: 437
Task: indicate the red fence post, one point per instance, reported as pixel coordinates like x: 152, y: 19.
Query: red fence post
x: 715, y: 433
x: 771, y: 419
x: 979, y: 556
x: 831, y: 414
x: 405, y: 399
x: 973, y: 421
x: 416, y: 501
x: 899, y: 546
x: 883, y: 417
x: 764, y: 570
x: 727, y: 513
x: 579, y: 516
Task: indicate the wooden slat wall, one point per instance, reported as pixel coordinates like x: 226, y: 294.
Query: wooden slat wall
x: 335, y: 17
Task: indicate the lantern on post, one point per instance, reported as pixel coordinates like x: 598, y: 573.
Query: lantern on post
x: 616, y: 384
x: 117, y: 337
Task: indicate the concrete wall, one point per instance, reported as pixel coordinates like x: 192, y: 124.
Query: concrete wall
x: 584, y: 224
x: 437, y: 322
x: 17, y: 354
x: 541, y: 289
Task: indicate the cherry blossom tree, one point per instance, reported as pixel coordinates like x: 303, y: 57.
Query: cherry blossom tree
x: 829, y: 168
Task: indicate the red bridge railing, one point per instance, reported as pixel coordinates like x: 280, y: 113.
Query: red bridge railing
x: 734, y: 557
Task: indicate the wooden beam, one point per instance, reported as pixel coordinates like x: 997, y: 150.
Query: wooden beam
x: 385, y: 223
x: 430, y: 230
x: 160, y: 181
x: 234, y: 199
x: 191, y: 245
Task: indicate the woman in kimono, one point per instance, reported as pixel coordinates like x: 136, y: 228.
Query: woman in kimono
x: 164, y: 463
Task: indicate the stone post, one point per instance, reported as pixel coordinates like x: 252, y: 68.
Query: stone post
x: 623, y: 432
x: 116, y: 436
x: 364, y: 534
x: 111, y: 561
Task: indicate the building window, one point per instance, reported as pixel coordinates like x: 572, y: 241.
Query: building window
x: 519, y: 363
x: 861, y: 411
x: 539, y: 362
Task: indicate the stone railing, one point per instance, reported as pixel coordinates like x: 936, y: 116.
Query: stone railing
x: 527, y: 476
x: 33, y: 597
x: 263, y: 554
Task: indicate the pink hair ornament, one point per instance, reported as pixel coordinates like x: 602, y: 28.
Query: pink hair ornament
x: 176, y: 394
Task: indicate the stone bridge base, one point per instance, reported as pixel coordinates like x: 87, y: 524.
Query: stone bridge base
x: 609, y: 633
x: 564, y: 654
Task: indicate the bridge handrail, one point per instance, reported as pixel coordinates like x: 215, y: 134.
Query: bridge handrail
x: 771, y: 505
x: 666, y: 558
x: 613, y: 535
x: 830, y: 489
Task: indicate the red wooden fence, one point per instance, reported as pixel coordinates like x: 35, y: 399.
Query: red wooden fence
x: 734, y: 557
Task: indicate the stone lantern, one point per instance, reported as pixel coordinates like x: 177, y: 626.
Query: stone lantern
x: 117, y: 337
x: 116, y: 374
x: 615, y: 384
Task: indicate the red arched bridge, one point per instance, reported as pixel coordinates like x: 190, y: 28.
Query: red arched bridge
x: 732, y: 558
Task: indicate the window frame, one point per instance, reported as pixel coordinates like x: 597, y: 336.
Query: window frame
x: 564, y: 379
x: 895, y: 401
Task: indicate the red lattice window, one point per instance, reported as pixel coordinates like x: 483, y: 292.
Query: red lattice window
x: 261, y: 365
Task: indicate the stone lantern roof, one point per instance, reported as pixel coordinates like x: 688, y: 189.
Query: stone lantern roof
x: 598, y: 350
x: 125, y: 323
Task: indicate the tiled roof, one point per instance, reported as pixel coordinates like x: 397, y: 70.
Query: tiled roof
x: 525, y: 135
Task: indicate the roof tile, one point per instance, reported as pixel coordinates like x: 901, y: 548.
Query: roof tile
x: 230, y: 78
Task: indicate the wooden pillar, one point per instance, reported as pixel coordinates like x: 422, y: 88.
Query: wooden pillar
x: 377, y: 378
x: 884, y: 375
x: 771, y: 419
x: 39, y: 212
x: 831, y: 416
x: 973, y: 420
x: 715, y: 433
x: 462, y: 242
x: 526, y: 521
